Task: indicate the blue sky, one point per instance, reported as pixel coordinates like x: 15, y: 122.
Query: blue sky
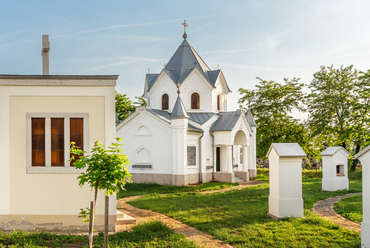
x: 247, y: 39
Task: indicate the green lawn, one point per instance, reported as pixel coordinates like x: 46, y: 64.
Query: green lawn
x: 239, y: 217
x: 350, y: 208
x: 150, y: 234
x: 154, y: 188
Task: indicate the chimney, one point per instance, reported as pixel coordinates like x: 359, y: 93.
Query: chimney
x: 45, y: 54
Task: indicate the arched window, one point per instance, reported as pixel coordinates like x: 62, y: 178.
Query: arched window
x: 219, y: 102
x: 195, y: 101
x: 165, y: 102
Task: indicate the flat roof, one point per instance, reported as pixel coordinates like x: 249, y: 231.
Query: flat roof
x: 14, y: 76
x: 57, y: 80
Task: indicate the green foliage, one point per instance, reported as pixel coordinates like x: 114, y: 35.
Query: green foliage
x: 271, y: 104
x: 350, y: 208
x: 141, y: 101
x: 149, y: 234
x: 154, y: 188
x: 124, y: 106
x: 339, y: 110
x: 239, y: 217
x: 105, y: 169
x: 85, y: 214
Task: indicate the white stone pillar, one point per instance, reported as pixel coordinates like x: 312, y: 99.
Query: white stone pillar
x: 364, y: 157
x: 285, y: 199
x: 245, y: 159
x: 179, y: 150
x: 332, y: 158
x: 252, y: 168
x: 5, y: 151
x: 229, y: 160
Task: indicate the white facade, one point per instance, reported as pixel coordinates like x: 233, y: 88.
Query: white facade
x: 364, y: 157
x: 335, y: 169
x: 285, y: 199
x: 201, y: 145
x: 49, y: 197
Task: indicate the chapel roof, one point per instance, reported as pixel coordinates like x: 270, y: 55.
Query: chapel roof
x: 227, y: 121
x: 182, y: 63
x: 179, y: 110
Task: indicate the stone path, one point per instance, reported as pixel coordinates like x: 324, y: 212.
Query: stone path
x: 325, y: 210
x: 200, y: 238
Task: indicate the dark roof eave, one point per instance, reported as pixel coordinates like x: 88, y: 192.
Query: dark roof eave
x: 104, y: 77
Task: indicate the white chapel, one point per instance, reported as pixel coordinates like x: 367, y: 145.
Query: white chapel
x: 186, y: 135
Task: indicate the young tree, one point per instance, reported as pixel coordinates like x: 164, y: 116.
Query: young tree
x: 124, y: 106
x: 140, y: 101
x: 105, y: 169
x: 271, y: 104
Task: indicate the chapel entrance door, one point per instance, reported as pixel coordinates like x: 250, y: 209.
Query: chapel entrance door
x: 218, y: 159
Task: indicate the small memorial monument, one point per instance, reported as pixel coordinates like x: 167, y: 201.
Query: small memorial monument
x: 335, y: 168
x: 364, y: 157
x: 285, y: 172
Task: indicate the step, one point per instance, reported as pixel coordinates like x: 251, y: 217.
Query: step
x: 124, y: 219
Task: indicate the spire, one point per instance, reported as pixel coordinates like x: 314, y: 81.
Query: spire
x: 179, y: 110
x: 185, y: 25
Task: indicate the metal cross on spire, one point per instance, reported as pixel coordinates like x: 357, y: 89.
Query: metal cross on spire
x: 178, y: 88
x: 185, y: 25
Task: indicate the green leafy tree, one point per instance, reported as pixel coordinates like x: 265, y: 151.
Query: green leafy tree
x: 331, y: 105
x: 124, y: 106
x: 105, y: 169
x: 140, y: 101
x: 271, y: 104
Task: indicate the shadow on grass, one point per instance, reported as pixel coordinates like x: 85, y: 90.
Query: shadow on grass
x: 239, y: 217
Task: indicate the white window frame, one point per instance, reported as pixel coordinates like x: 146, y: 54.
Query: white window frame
x: 48, y: 169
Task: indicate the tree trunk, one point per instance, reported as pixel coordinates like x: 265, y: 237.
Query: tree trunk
x: 355, y: 161
x: 92, y: 216
x: 106, y: 219
x: 91, y: 223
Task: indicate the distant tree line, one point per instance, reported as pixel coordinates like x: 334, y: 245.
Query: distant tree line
x: 337, y: 104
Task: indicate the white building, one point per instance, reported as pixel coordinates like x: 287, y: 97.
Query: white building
x: 40, y: 115
x: 335, y: 168
x: 185, y: 135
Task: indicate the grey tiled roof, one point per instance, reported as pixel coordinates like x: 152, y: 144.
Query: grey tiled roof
x: 167, y: 117
x: 183, y: 61
x: 226, y: 121
x: 151, y: 78
x: 288, y: 150
x: 332, y: 150
x: 179, y: 109
x: 250, y: 119
x: 200, y: 117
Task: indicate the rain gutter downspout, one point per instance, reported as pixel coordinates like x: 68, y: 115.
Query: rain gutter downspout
x: 213, y: 154
x: 200, y: 157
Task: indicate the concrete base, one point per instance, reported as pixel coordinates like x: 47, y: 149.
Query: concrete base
x: 365, y: 237
x: 252, y: 173
x: 285, y: 208
x: 68, y: 223
x: 225, y: 177
x: 179, y: 180
x: 163, y: 179
x: 242, y: 174
x: 334, y: 184
x: 207, y: 177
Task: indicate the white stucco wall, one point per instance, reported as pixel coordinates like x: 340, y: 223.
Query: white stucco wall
x: 330, y: 180
x: 285, y: 199
x: 54, y: 193
x: 158, y: 142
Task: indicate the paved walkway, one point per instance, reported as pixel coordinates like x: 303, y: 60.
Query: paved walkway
x: 200, y: 238
x: 325, y: 210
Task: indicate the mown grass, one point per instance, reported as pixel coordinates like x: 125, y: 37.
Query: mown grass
x: 154, y: 188
x: 239, y: 217
x: 150, y: 234
x: 350, y: 208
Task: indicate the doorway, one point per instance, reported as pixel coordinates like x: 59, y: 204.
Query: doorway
x: 218, y: 159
